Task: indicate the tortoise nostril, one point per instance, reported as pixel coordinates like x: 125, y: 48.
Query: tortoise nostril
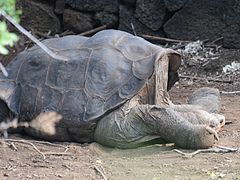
x: 212, y: 126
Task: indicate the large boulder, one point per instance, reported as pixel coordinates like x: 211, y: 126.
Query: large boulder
x: 128, y: 2
x: 94, y: 5
x: 77, y: 21
x: 127, y: 17
x: 105, y: 18
x: 174, y: 5
x: 207, y: 19
x: 151, y: 13
x: 38, y: 16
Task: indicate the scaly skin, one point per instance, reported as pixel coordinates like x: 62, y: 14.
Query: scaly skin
x: 129, y: 128
x: 188, y: 126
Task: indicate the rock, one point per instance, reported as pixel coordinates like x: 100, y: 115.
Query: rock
x: 126, y: 17
x: 38, y: 16
x: 173, y: 5
x: 59, y: 6
x: 151, y: 13
x: 207, y: 19
x: 94, y: 5
x: 104, y: 18
x: 77, y: 21
x: 128, y: 2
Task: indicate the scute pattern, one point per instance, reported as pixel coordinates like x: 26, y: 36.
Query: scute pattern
x: 94, y: 108
x: 71, y: 74
x: 114, y: 99
x: 143, y: 68
x: 106, y: 72
x: 65, y: 43
x: 36, y: 65
x: 136, y: 48
x: 77, y: 111
x: 132, y: 86
x: 28, y: 102
x: 50, y: 99
x: 102, y: 73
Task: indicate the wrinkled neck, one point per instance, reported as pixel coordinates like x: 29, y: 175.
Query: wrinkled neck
x: 155, y: 90
x: 147, y: 93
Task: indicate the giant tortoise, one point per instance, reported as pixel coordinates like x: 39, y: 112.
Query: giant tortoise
x: 112, y: 90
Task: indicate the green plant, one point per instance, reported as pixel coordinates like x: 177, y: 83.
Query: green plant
x: 7, y: 38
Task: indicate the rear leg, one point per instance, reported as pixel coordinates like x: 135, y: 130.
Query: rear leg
x: 51, y: 126
x: 7, y: 122
x: 207, y: 98
x: 203, y: 108
x: 5, y: 113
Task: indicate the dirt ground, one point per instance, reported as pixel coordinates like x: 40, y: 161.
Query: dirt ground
x: 25, y: 158
x: 20, y: 160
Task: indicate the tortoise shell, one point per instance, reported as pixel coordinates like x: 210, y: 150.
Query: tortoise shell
x: 102, y: 73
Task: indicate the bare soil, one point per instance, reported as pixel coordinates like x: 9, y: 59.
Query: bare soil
x: 29, y: 159
x: 20, y: 160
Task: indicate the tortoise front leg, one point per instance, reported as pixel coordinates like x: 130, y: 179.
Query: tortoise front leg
x: 173, y: 127
x: 145, y: 123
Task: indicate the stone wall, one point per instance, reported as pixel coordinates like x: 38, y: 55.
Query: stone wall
x: 178, y: 19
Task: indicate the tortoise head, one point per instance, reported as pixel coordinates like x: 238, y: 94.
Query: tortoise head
x: 174, y: 64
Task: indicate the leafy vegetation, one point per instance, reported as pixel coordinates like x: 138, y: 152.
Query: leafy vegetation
x: 7, y: 38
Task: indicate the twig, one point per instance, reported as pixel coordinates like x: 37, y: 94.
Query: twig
x: 217, y: 149
x: 178, y: 46
x: 149, y: 37
x: 92, y: 31
x: 26, y: 142
x: 49, y: 143
x: 68, y: 167
x: 57, y: 153
x: 216, y: 40
x: 44, y: 35
x: 3, y: 69
x: 30, y: 36
x: 102, y: 174
x: 13, y: 146
x: 44, y: 142
x: 67, y: 32
x: 232, y: 92
x: 208, y: 79
x: 228, y: 149
x: 228, y: 122
x: 133, y: 28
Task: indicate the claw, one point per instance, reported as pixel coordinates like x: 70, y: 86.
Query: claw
x: 212, y: 131
x: 222, y: 123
